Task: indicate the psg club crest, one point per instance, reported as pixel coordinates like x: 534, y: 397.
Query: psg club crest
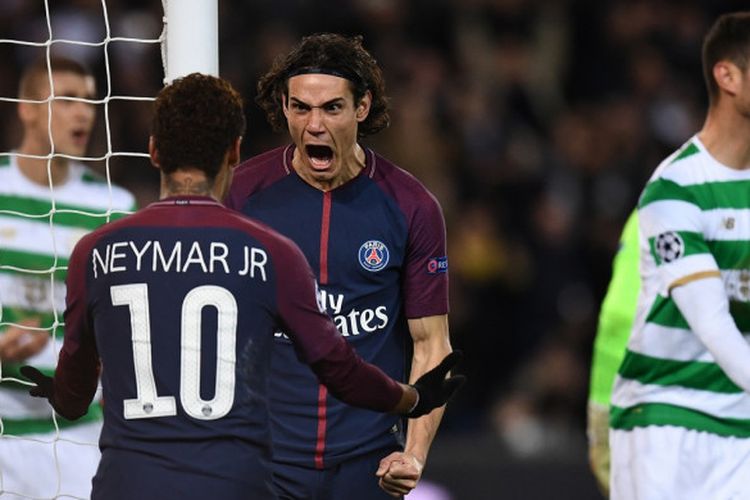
x: 669, y: 246
x: 373, y: 255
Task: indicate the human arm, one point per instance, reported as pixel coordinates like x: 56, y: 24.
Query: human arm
x: 18, y: 343
x: 615, y: 323
x: 72, y: 389
x: 399, y: 472
x: 356, y: 382
x: 425, y: 292
x: 705, y: 306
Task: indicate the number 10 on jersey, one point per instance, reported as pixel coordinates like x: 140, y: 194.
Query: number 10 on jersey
x: 148, y: 404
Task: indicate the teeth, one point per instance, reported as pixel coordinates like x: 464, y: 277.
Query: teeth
x: 320, y: 162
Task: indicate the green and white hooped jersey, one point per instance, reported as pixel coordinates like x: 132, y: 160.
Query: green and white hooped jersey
x: 694, y: 221
x: 35, y: 244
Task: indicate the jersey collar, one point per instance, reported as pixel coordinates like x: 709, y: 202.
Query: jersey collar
x: 186, y: 200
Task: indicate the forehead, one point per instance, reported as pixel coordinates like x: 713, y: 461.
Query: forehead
x: 68, y: 83
x: 316, y: 88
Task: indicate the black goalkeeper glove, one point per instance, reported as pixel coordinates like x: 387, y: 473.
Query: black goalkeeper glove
x: 45, y: 387
x: 434, y: 389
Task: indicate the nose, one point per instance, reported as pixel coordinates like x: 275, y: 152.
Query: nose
x: 84, y: 110
x: 315, y: 121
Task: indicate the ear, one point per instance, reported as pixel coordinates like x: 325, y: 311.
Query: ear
x: 226, y: 172
x: 233, y: 157
x: 27, y: 111
x: 363, y: 107
x: 152, y: 152
x: 728, y: 77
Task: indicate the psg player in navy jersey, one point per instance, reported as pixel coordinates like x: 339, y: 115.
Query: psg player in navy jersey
x: 375, y: 238
x: 177, y: 306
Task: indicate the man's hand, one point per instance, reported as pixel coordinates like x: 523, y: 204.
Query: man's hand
x: 399, y: 473
x: 18, y: 343
x: 45, y: 387
x: 598, y: 434
x: 434, y: 389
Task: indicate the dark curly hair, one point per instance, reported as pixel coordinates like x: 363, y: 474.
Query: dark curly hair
x: 196, y: 120
x: 336, y: 54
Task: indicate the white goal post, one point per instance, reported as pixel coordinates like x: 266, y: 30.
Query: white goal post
x: 192, y: 38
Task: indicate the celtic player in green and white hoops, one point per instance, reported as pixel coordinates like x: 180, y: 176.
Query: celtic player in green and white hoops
x: 680, y: 414
x: 32, y: 301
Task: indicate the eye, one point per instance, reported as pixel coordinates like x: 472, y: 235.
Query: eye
x: 298, y: 107
x: 334, y: 107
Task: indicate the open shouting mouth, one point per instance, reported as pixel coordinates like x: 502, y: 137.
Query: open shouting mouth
x: 320, y: 156
x: 80, y: 137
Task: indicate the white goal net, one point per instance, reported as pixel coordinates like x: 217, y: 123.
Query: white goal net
x: 132, y: 48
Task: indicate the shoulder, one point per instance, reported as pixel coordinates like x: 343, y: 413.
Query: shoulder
x: 264, y: 161
x: 264, y: 233
x: 257, y: 173
x: 11, y: 174
x: 278, y: 245
x: 691, y: 174
x: 86, y: 244
x: 97, y: 189
x: 406, y: 190
x: 6, y: 171
x: 687, y: 165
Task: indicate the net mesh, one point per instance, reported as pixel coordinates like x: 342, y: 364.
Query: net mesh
x: 42, y: 278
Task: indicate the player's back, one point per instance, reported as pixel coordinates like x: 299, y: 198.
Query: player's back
x: 182, y: 300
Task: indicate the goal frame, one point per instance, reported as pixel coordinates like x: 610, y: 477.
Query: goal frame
x: 192, y: 38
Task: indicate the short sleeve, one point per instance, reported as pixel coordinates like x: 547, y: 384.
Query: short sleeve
x: 672, y: 227
x: 426, y: 262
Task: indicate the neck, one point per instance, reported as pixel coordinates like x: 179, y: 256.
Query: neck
x: 39, y: 170
x: 352, y: 165
x: 181, y: 183
x: 724, y: 134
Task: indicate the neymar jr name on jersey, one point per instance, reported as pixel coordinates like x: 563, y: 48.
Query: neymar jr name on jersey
x: 178, y: 257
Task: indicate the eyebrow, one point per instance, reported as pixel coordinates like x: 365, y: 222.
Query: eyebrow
x: 74, y: 95
x: 327, y: 103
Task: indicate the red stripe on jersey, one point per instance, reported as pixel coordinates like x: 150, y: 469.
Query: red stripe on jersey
x: 324, y: 229
x: 320, y: 445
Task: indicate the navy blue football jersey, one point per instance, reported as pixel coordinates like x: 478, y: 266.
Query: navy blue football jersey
x: 377, y: 247
x: 177, y: 306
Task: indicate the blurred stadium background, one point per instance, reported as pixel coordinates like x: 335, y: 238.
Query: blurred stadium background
x: 535, y: 122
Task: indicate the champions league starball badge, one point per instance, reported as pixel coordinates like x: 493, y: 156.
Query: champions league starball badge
x: 669, y: 246
x: 373, y: 255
